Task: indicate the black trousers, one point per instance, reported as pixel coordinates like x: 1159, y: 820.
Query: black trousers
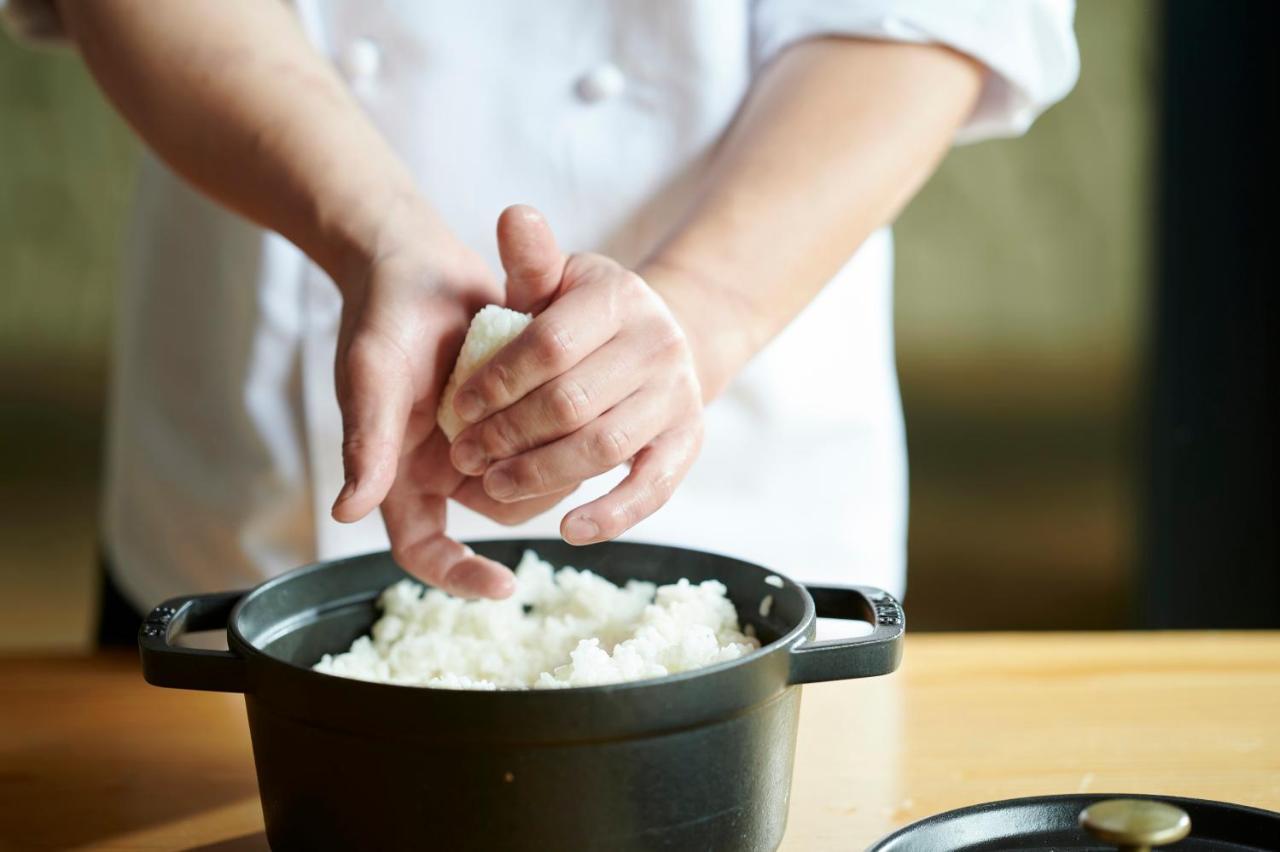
x: 118, y: 621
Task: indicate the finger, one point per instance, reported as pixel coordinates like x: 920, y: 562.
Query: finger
x: 414, y: 514
x: 375, y: 394
x: 600, y: 446
x: 655, y: 473
x: 575, y: 325
x: 472, y: 495
x: 530, y: 256
x: 558, y: 408
x: 455, y: 568
x: 415, y: 524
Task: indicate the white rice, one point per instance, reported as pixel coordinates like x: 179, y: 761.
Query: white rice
x: 492, y: 328
x: 561, y: 628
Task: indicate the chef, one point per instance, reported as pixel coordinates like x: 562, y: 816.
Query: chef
x: 707, y: 252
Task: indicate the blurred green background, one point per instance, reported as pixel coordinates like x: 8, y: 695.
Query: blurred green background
x: 1022, y: 292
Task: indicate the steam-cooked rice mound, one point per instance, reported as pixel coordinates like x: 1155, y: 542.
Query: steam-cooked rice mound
x: 561, y: 628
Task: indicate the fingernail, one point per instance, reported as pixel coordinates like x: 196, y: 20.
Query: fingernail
x: 458, y: 582
x: 471, y: 579
x: 469, y: 458
x: 348, y: 488
x: 498, y: 484
x: 469, y: 405
x: 580, y: 529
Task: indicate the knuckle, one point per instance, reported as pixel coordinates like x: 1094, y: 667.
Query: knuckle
x: 498, y: 383
x: 632, y: 513
x: 569, y: 403
x: 358, y: 447
x: 499, y: 437
x: 691, y: 398
x: 354, y: 447
x: 609, y: 447
x: 619, y: 295
x: 553, y: 344
x: 400, y: 555
x: 632, y: 282
x: 663, y: 486
x: 669, y: 338
x: 581, y: 266
x: 530, y: 476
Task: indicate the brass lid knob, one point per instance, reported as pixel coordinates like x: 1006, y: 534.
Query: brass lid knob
x: 1135, y: 825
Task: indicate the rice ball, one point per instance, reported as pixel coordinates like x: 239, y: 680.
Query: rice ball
x: 492, y: 328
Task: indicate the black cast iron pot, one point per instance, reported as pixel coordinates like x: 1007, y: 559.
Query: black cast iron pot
x: 696, y: 761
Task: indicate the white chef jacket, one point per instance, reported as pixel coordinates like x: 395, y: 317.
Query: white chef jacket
x: 224, y: 434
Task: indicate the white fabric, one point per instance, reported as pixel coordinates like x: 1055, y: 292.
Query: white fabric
x: 224, y: 431
x: 1028, y: 45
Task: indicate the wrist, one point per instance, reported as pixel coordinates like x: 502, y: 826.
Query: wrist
x: 351, y: 218
x: 718, y: 322
x: 359, y: 234
x: 397, y: 239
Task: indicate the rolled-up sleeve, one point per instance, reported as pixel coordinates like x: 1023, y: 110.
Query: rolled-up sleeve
x: 1029, y: 46
x: 32, y: 21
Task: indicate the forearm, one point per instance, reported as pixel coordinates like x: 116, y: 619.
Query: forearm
x: 834, y: 140
x: 234, y: 98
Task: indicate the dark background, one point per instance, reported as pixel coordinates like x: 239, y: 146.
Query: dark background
x: 1209, y: 555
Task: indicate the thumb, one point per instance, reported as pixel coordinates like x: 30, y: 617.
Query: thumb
x: 375, y: 395
x: 530, y: 256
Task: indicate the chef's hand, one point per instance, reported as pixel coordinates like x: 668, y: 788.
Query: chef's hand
x: 404, y: 317
x: 602, y: 376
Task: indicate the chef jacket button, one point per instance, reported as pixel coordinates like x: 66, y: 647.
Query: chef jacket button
x: 361, y: 59
x: 601, y: 83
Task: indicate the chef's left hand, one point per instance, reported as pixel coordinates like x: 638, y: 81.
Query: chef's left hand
x: 604, y: 375
x: 406, y: 307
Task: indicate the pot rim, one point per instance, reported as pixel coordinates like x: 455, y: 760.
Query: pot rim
x: 240, y: 644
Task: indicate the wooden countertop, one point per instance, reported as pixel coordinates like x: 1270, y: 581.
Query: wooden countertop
x: 93, y: 758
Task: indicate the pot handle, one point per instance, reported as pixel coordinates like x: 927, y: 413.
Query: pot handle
x: 165, y: 664
x: 864, y: 656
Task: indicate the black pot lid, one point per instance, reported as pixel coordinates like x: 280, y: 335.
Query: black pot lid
x: 1059, y: 823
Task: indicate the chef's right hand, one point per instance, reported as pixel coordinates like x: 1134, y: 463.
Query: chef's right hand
x: 405, y: 314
